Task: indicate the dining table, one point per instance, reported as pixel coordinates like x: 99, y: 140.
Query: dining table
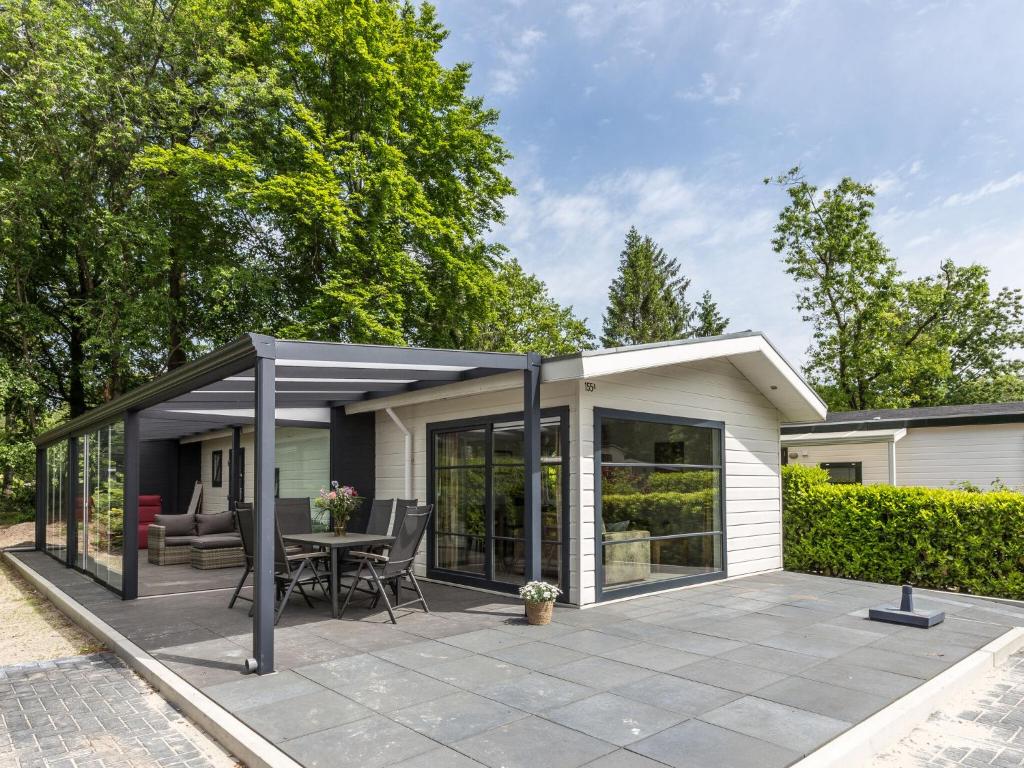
x: 337, y: 544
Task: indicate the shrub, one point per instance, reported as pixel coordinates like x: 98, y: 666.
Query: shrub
x: 930, y: 537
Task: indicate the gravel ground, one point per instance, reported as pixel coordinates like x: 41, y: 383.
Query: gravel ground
x: 22, y: 534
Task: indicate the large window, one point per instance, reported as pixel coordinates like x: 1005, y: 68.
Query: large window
x: 844, y: 472
x: 477, y: 490
x: 660, y: 500
x: 99, y: 500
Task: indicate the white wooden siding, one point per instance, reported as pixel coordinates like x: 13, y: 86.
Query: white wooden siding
x: 709, y: 390
x: 874, y: 457
x: 940, y: 457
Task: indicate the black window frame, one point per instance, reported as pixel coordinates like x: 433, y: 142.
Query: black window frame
x: 217, y: 468
x: 601, y: 592
x: 856, y: 466
x: 487, y: 423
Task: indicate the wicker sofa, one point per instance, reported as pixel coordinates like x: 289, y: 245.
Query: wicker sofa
x: 206, y: 541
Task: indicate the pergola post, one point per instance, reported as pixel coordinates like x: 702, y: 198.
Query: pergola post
x: 233, y: 472
x: 41, y: 490
x: 263, y: 576
x: 532, y: 522
x: 130, y: 549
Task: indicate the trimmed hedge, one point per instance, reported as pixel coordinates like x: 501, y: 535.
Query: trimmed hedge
x: 929, y: 537
x: 660, y: 512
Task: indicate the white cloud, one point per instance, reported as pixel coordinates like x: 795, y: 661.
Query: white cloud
x: 708, y: 91
x: 516, y: 61
x: 991, y: 188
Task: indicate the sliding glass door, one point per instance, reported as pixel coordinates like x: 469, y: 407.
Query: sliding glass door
x: 477, y: 482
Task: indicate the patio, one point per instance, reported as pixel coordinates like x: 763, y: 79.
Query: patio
x: 756, y: 671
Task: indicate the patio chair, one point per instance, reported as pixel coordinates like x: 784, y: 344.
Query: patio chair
x: 379, y: 570
x: 289, y: 569
x: 386, y: 515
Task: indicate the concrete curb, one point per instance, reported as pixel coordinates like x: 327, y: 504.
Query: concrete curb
x: 858, y: 745
x: 234, y: 735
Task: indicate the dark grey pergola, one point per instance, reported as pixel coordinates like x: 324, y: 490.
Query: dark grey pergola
x: 252, y: 380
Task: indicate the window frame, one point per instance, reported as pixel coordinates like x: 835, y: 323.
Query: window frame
x: 856, y: 466
x: 487, y: 422
x: 601, y: 592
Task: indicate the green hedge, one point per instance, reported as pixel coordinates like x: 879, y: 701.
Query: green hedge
x: 929, y: 537
x: 660, y: 512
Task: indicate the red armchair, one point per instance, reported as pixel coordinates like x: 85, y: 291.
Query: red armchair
x: 149, y: 508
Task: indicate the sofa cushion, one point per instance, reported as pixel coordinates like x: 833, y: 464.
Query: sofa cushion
x: 178, y: 541
x: 177, y: 525
x: 214, y: 523
x: 150, y: 500
x: 217, y: 541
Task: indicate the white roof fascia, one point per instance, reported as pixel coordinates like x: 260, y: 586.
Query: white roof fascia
x: 851, y: 436
x: 494, y: 383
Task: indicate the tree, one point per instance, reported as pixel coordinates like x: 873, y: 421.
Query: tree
x: 523, y: 317
x: 647, y: 299
x: 881, y: 340
x: 707, y: 320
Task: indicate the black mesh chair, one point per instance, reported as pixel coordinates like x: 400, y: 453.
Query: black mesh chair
x: 386, y: 515
x: 380, y: 570
x: 290, y: 570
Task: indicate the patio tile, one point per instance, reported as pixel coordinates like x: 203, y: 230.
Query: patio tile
x: 520, y: 626
x: 684, y: 697
x: 372, y: 742
x: 529, y: 743
x: 301, y: 715
x: 484, y: 640
x: 656, y: 657
x: 825, y: 699
x: 450, y: 718
x: 810, y: 645
x: 771, y: 658
x: 695, y: 743
x: 900, y: 663
x: 732, y: 675
x: 613, y: 718
x: 442, y: 757
x: 423, y: 653
x: 474, y: 672
x: 780, y: 724
x: 600, y: 673
x: 390, y: 692
x: 623, y: 758
x: 254, y: 690
x: 860, y: 678
x: 696, y: 642
x: 537, y: 655
x: 536, y: 692
x: 592, y: 641
x: 350, y: 670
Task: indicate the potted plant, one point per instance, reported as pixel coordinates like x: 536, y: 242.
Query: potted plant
x: 539, y: 597
x: 338, y: 504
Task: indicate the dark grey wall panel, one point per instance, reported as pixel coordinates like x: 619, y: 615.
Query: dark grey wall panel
x: 353, y: 457
x: 190, y: 469
x: 158, y: 471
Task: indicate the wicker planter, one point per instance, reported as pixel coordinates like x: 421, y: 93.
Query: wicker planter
x: 540, y: 613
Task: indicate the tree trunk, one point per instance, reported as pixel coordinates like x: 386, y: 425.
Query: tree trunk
x: 76, y: 379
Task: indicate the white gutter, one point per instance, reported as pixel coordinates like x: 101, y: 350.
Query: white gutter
x: 408, y: 451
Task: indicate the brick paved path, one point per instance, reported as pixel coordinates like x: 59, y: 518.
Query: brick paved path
x: 985, y: 728
x: 93, y: 712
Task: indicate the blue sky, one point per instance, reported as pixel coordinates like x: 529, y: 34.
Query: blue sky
x: 667, y: 114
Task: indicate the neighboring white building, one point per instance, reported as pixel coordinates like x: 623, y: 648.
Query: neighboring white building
x: 937, y: 447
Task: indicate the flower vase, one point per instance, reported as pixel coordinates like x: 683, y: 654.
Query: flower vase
x: 340, y: 527
x: 539, y: 613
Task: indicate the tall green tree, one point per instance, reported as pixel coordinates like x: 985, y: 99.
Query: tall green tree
x: 706, y: 319
x: 881, y: 340
x: 647, y: 298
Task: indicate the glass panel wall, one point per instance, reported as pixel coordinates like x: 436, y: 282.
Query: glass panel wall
x: 478, y: 483
x: 661, y: 506
x: 56, y: 503
x: 99, y: 514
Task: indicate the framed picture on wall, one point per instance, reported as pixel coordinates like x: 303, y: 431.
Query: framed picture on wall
x: 216, y: 469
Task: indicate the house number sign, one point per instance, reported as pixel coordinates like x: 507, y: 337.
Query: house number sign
x: 589, y: 386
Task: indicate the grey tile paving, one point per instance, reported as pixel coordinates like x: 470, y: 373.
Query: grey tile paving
x: 592, y: 641
x: 676, y: 694
x: 773, y: 659
x: 253, y: 690
x: 442, y: 757
x: 450, y: 718
x: 888, y: 684
x: 537, y: 655
x: 372, y: 742
x: 385, y: 693
x: 731, y: 675
x: 536, y: 692
x: 623, y: 758
x: 350, y: 670
x: 483, y: 640
x: 696, y: 743
x: 824, y: 698
x: 780, y: 724
x: 290, y: 718
x: 656, y: 657
x: 423, y: 653
x: 600, y: 673
x: 475, y: 672
x: 924, y: 667
x: 613, y: 718
x: 532, y: 742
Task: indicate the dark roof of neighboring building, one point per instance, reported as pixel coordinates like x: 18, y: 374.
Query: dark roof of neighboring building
x: 932, y: 416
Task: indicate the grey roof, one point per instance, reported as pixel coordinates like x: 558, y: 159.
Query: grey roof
x: 939, y: 415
